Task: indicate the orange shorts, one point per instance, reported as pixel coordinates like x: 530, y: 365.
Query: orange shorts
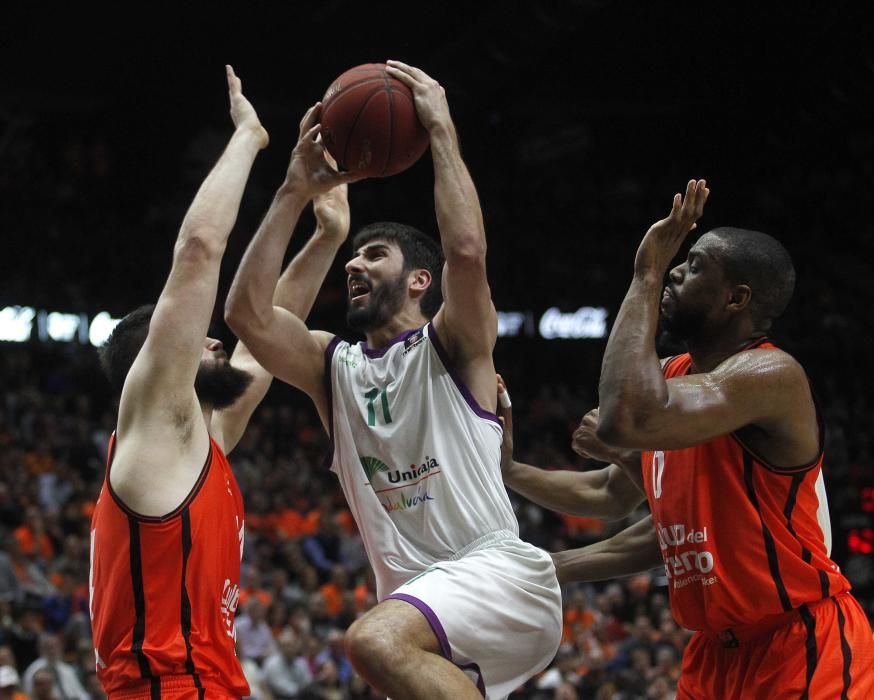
x: 826, y: 651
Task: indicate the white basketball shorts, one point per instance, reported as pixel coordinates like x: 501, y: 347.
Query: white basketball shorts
x: 495, y: 608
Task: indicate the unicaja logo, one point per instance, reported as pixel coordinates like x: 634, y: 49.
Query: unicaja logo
x: 383, y: 479
x: 372, y: 465
x: 414, y: 472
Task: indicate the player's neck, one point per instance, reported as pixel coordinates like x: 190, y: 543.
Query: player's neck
x: 207, y: 415
x: 708, y: 353
x: 405, y: 320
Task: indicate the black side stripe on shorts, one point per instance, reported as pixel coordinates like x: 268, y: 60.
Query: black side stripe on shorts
x: 139, y: 631
x: 770, y: 547
x: 185, y: 621
x: 810, y: 645
x: 845, y: 650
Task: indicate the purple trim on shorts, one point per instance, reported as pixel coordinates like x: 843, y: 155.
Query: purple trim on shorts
x: 329, y: 395
x: 440, y: 633
x: 379, y: 352
x: 462, y: 387
x: 432, y: 619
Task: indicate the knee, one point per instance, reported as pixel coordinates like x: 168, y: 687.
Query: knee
x: 368, y: 647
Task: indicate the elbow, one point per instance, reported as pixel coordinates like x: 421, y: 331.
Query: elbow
x: 239, y: 313
x: 234, y: 312
x: 234, y: 315
x: 611, y: 428
x: 241, y: 317
x: 618, y: 429
x: 469, y: 253
x: 198, y: 246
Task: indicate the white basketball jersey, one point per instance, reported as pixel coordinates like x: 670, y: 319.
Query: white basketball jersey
x: 418, y: 459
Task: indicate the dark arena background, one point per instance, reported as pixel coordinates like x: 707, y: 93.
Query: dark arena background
x: 578, y: 120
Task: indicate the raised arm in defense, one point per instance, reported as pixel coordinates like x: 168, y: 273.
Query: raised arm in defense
x: 641, y: 409
x: 159, y: 389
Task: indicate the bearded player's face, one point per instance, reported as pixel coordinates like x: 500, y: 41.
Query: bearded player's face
x: 376, y: 285
x: 695, y: 291
x: 219, y: 384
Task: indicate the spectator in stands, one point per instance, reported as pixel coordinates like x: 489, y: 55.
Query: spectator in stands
x: 43, y: 686
x: 10, y: 684
x: 286, y: 673
x: 64, y: 679
x: 254, y: 637
x: 336, y: 653
x: 32, y: 537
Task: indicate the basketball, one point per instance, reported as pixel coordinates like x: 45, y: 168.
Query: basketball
x: 369, y: 122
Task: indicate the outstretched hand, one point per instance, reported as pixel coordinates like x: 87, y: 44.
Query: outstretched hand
x: 243, y: 113
x: 428, y: 94
x: 310, y: 169
x: 664, y: 238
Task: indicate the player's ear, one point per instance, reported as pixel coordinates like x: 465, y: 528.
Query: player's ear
x: 419, y: 281
x: 740, y: 298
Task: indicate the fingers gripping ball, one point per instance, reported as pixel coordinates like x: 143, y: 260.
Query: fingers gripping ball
x: 369, y: 122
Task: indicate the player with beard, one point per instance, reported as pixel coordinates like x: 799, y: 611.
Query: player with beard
x: 726, y: 441
x: 466, y: 608
x: 167, y: 530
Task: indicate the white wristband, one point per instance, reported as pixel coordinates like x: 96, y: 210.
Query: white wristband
x: 504, y: 399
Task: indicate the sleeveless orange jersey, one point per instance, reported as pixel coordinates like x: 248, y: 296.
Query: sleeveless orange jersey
x: 164, y: 591
x: 742, y: 540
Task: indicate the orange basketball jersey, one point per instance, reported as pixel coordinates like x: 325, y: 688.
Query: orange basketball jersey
x: 742, y: 540
x: 164, y: 591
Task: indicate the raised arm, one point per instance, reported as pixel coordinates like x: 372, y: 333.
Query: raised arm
x: 633, y: 550
x: 272, y: 327
x: 296, y: 291
x: 160, y: 384
x: 467, y: 322
x: 641, y: 409
x: 632, y: 383
x: 608, y: 493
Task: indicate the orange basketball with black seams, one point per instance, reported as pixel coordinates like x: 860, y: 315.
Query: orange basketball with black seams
x: 369, y: 122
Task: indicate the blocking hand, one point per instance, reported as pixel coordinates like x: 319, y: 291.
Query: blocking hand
x: 662, y: 242
x: 243, y: 113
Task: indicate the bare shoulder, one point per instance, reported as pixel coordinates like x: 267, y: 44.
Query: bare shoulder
x: 767, y: 365
x: 323, y: 338
x: 788, y: 430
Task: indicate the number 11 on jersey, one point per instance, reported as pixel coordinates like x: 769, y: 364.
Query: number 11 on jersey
x: 371, y: 397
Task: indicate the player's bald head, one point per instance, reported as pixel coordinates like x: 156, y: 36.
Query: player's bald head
x: 758, y: 261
